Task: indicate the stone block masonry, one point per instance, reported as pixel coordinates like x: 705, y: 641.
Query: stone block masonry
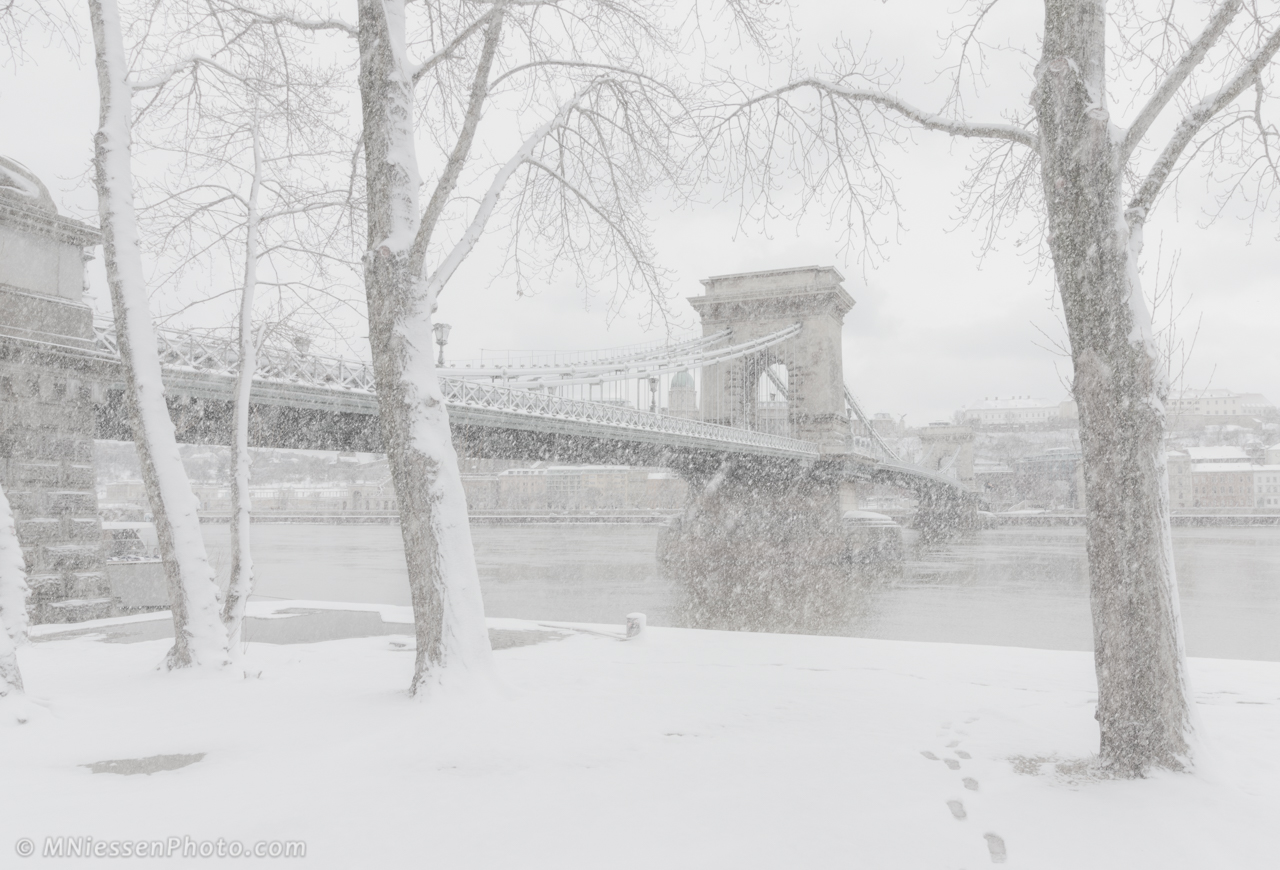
x: 48, y: 375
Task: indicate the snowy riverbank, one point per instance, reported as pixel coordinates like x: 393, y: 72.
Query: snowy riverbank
x: 684, y: 749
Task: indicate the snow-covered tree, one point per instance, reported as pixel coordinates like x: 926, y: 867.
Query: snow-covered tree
x: 13, y: 602
x: 200, y: 639
x: 1093, y: 180
x: 587, y: 109
x: 244, y: 184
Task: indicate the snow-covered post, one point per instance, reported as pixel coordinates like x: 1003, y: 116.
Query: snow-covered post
x: 199, y: 636
x: 444, y: 584
x: 13, y: 602
x: 241, y: 584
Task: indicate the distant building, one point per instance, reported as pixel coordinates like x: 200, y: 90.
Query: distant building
x: 1266, y: 486
x: 1217, y: 454
x: 1222, y: 485
x: 575, y: 488
x: 1019, y: 412
x: 324, y: 499
x: 1221, y: 408
x: 682, y: 396
x: 884, y: 425
x: 1221, y: 477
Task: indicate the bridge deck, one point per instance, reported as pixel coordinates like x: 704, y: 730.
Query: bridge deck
x: 201, y: 368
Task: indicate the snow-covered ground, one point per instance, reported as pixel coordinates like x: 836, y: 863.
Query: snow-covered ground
x: 680, y: 749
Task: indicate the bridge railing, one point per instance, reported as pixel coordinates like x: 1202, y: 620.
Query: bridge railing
x: 544, y: 404
x: 218, y: 354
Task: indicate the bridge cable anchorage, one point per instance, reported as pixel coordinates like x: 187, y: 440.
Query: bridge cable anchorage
x: 866, y: 422
x: 559, y: 376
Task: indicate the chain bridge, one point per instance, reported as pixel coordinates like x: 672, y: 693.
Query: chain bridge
x: 756, y: 404
x: 634, y: 405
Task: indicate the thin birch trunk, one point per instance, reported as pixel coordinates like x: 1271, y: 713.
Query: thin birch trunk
x: 1144, y: 713
x: 200, y: 638
x: 443, y: 581
x: 241, y: 585
x: 13, y: 602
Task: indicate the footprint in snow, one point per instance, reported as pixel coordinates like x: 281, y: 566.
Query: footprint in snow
x: 995, y: 845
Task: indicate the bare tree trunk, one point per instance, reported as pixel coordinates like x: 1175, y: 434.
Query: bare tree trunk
x: 241, y: 584
x: 199, y: 636
x: 1143, y: 700
x: 443, y: 581
x: 13, y: 602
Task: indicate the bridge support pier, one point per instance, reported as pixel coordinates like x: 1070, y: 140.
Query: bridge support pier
x: 763, y: 547
x: 49, y: 378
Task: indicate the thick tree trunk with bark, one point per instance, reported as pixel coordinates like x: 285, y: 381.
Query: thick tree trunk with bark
x: 1143, y: 702
x: 13, y: 602
x: 241, y: 584
x: 199, y: 636
x: 443, y: 581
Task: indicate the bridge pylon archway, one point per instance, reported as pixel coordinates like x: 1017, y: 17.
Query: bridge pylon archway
x: 755, y: 304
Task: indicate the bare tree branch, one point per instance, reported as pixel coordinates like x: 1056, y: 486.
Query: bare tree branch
x: 445, y: 53
x: 462, y: 148
x: 927, y: 120
x: 1194, y: 122
x: 1177, y: 76
x: 440, y: 277
x: 311, y: 24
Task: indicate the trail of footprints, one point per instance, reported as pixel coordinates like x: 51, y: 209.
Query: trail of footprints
x: 995, y: 843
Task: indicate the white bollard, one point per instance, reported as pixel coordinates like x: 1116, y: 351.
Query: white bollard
x: 635, y: 625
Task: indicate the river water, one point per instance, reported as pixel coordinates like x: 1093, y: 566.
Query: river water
x: 1005, y: 587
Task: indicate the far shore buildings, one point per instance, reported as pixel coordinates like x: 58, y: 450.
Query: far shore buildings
x: 1019, y: 413
x: 1218, y: 478
x: 1187, y: 410
x: 1196, y: 408
x: 522, y: 489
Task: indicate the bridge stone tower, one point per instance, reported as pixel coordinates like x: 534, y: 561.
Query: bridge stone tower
x: 762, y: 544
x: 49, y: 379
x: 756, y: 304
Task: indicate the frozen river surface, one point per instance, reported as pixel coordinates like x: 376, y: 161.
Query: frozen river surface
x: 1007, y: 587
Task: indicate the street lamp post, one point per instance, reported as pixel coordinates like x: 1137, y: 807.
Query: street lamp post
x: 442, y: 338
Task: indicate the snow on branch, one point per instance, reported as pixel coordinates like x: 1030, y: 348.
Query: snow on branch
x: 1178, y: 75
x: 167, y: 74
x: 577, y: 64
x: 312, y: 24
x: 1194, y: 121
x: 927, y: 120
x: 462, y: 148
x: 440, y: 277
x: 452, y: 46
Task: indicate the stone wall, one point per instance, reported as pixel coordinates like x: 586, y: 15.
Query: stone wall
x: 50, y: 377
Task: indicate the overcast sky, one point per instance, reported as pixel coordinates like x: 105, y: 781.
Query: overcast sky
x: 934, y: 328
